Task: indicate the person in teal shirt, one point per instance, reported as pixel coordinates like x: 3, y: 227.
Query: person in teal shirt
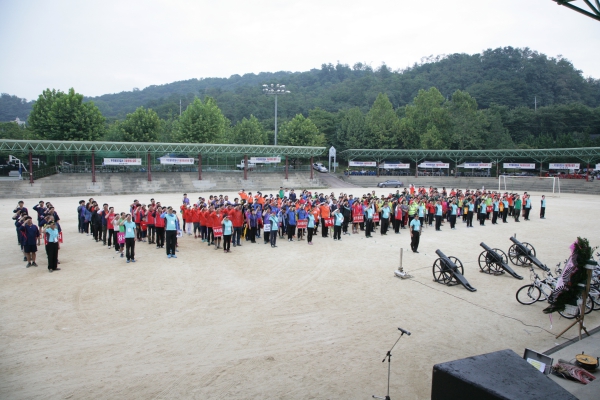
x: 470, y: 214
x: 129, y: 238
x: 438, y: 216
x: 227, y: 232
x: 453, y: 212
x: 369, y: 219
x: 170, y: 217
x: 337, y: 227
x: 51, y: 232
x: 310, y: 227
x: 543, y: 208
x: 415, y: 229
x: 274, y: 221
x: 385, y: 219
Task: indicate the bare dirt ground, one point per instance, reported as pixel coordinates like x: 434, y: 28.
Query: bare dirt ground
x: 295, y: 322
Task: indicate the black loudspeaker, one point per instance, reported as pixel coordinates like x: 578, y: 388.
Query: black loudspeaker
x: 498, y: 375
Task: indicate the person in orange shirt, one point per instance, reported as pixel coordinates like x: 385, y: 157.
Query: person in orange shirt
x: 217, y: 220
x: 187, y: 220
x: 196, y: 220
x: 182, y: 209
x: 325, y: 213
x: 203, y: 224
x: 210, y: 222
x: 243, y: 196
x: 316, y: 212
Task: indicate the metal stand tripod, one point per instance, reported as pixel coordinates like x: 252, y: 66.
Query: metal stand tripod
x: 388, y: 356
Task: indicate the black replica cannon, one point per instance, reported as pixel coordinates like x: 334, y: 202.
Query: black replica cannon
x: 449, y: 271
x: 495, y: 261
x: 524, y: 254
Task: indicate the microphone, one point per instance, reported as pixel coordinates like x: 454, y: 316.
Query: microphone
x: 404, y: 331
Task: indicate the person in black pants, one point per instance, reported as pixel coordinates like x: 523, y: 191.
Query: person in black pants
x: 415, y: 233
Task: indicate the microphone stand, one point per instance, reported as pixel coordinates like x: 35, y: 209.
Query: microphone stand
x: 388, y: 356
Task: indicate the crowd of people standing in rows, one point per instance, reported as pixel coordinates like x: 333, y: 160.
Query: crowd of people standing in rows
x: 224, y: 223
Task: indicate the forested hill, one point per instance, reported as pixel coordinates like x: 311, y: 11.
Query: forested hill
x: 505, y: 76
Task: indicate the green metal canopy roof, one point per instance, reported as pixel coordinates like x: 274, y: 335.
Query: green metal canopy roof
x: 55, y: 147
x: 583, y: 153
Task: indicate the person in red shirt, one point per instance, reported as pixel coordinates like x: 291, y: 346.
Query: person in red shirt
x: 202, y: 221
x: 237, y: 219
x: 210, y: 222
x: 187, y: 220
x: 150, y: 218
x: 159, y: 226
x: 195, y: 218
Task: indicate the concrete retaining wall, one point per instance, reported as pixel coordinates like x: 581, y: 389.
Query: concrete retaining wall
x: 124, y: 183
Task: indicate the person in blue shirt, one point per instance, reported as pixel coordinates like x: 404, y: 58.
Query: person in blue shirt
x: 170, y: 218
x: 30, y: 235
x: 543, y: 208
x: 415, y: 229
x: 453, y: 212
x: 51, y: 232
x: 505, y: 211
x: 337, y: 224
x: 496, y: 208
x: 310, y: 227
x: 302, y: 215
x: 438, y: 216
x: 130, y: 235
x: 471, y: 206
x: 527, y: 207
x: 227, y: 232
x: 369, y: 211
x: 385, y: 218
x: 291, y: 223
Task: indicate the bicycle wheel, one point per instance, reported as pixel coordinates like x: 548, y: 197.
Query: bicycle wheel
x: 568, y: 316
x: 528, y: 294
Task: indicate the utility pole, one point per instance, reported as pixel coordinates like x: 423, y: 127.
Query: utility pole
x: 275, y: 90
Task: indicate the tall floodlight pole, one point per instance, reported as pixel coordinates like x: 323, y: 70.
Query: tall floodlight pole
x: 275, y: 89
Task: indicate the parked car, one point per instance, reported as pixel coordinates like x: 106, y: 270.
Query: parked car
x: 390, y: 183
x: 319, y: 167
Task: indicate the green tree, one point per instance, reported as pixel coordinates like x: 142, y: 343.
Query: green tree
x: 64, y: 116
x: 202, y: 122
x: 496, y: 136
x: 426, y: 118
x: 353, y: 132
x: 383, y: 123
x: 326, y: 122
x: 468, y: 123
x: 301, y: 131
x: 12, y: 130
x: 143, y: 125
x: 248, y: 131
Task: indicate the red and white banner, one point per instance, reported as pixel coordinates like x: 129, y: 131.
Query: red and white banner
x: 564, y: 166
x: 120, y: 237
x: 264, y: 160
x: 375, y: 217
x: 519, y: 166
x: 218, y: 231
x: 477, y: 165
x: 122, y: 161
x: 358, y: 218
x: 328, y: 221
x: 302, y: 223
x: 176, y: 161
x: 396, y: 166
x: 362, y: 163
x: 434, y: 165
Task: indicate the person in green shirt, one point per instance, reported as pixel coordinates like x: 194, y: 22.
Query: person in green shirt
x: 517, y: 212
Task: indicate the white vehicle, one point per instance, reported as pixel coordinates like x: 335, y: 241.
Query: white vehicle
x: 319, y: 167
x: 241, y: 165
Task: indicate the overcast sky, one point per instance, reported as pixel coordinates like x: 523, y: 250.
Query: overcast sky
x: 110, y: 46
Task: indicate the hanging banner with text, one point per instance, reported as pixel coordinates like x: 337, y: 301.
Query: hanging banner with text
x: 362, y: 163
x: 519, y: 165
x: 477, y: 165
x: 176, y: 161
x: 302, y: 223
x: 264, y: 160
x: 564, y: 166
x: 122, y: 161
x: 434, y: 165
x: 396, y: 166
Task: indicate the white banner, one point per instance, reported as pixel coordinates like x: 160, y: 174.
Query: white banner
x: 434, y: 165
x: 122, y: 161
x: 477, y: 165
x: 564, y: 166
x: 396, y: 166
x: 362, y: 163
x: 519, y: 165
x: 177, y: 161
x: 264, y: 160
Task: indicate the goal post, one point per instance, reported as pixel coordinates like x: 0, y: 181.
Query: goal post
x: 547, y: 184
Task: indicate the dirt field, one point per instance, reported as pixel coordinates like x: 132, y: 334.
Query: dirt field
x: 295, y: 322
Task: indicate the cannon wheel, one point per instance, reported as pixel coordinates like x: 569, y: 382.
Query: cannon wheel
x: 488, y: 263
x: 516, y: 257
x: 440, y: 275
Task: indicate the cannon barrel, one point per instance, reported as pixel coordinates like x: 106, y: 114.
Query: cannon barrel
x: 454, y: 271
x: 527, y: 253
